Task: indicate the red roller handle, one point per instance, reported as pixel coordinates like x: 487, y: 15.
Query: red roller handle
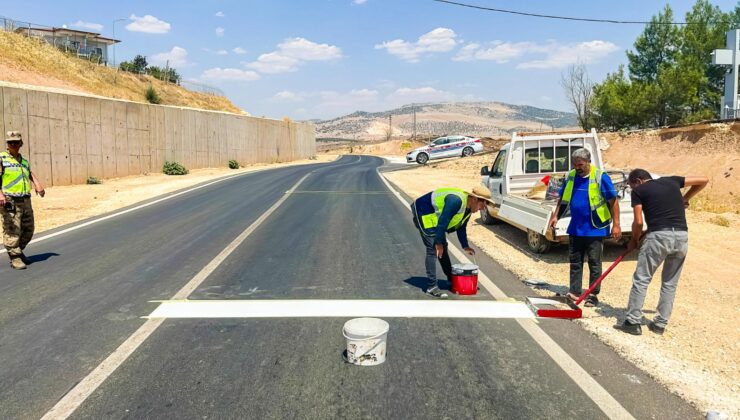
x: 604, y: 274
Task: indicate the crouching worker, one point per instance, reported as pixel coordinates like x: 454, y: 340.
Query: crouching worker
x: 666, y: 242
x: 443, y: 211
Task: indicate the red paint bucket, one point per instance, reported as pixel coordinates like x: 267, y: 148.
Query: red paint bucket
x: 465, y: 279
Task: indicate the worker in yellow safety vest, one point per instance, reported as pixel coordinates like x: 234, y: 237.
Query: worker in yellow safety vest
x: 442, y: 211
x: 15, y: 200
x: 590, y: 196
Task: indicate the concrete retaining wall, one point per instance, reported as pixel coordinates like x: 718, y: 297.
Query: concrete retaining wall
x: 69, y: 138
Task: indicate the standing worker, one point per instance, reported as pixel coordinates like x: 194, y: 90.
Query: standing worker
x: 590, y: 195
x: 667, y: 240
x: 15, y: 200
x: 442, y: 211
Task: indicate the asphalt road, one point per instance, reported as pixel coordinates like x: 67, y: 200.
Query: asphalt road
x: 340, y: 235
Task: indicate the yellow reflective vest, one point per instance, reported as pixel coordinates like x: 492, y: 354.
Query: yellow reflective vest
x: 429, y: 215
x: 600, y: 214
x: 16, y: 179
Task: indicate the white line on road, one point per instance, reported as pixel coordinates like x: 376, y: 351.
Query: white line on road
x: 139, y: 207
x: 601, y: 397
x: 75, y: 397
x: 344, y: 308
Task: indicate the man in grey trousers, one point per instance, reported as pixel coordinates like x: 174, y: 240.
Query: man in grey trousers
x: 666, y: 242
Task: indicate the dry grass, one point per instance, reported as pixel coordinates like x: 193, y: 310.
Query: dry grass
x: 24, y: 59
x: 720, y: 221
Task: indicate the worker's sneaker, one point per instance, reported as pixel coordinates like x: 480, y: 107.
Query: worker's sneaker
x: 437, y: 292
x: 17, y: 264
x: 629, y: 328
x: 592, y: 301
x: 652, y: 326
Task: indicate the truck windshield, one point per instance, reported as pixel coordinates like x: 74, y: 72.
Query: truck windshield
x: 540, y: 160
x: 498, y: 164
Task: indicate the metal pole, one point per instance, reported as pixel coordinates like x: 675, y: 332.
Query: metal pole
x: 114, y: 38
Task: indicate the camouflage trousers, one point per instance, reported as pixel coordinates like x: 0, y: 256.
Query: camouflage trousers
x: 18, y: 225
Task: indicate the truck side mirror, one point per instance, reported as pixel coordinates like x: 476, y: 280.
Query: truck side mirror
x: 484, y: 171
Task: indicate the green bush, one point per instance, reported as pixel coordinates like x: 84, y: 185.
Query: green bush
x: 92, y: 180
x: 174, y: 168
x: 152, y: 97
x: 233, y: 164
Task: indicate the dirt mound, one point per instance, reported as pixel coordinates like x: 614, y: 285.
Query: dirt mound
x: 712, y: 150
x: 29, y: 61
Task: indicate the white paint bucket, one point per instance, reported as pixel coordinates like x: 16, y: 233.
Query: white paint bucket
x: 366, y: 341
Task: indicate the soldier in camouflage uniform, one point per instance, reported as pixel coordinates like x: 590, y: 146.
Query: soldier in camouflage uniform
x: 15, y: 200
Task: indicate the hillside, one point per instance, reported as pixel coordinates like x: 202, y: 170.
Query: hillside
x: 488, y: 119
x: 29, y: 61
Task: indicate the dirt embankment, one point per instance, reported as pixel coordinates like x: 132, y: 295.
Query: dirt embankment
x: 698, y: 356
x: 25, y: 60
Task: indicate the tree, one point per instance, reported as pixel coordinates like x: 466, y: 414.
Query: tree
x: 705, y: 31
x: 579, y: 89
x: 656, y: 46
x: 140, y: 63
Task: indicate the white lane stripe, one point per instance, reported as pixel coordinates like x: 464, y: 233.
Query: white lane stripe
x: 139, y: 207
x: 75, y: 397
x: 601, y: 397
x: 344, y: 308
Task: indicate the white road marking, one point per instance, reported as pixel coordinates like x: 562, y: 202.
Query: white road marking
x: 77, y: 395
x: 344, y: 308
x: 600, y: 396
x: 139, y: 207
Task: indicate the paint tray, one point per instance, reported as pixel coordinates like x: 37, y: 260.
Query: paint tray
x: 554, y: 307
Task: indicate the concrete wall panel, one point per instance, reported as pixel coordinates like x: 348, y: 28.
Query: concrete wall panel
x: 60, y: 160
x: 38, y: 103
x: 76, y: 108
x: 15, y: 101
x: 71, y: 137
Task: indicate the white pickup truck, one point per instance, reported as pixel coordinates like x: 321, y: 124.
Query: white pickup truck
x: 517, y: 170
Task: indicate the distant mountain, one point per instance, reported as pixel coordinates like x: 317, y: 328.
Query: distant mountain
x: 483, y: 119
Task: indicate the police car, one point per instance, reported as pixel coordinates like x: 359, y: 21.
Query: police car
x: 447, y: 146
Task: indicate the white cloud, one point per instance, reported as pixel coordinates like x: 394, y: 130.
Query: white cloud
x: 239, y: 50
x: 563, y: 55
x: 177, y: 57
x: 148, y: 24
x: 219, y: 14
x: 405, y: 95
x: 359, y: 1
x: 287, y: 96
x: 498, y: 51
x: 556, y: 55
x: 272, y: 63
x: 87, y: 25
x: 218, y: 73
x: 291, y: 53
x: 222, y: 52
x: 220, y: 31
x: 437, y: 40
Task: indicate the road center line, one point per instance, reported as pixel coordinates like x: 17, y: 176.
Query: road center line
x: 139, y: 207
x: 77, y: 395
x: 343, y: 308
x: 600, y: 396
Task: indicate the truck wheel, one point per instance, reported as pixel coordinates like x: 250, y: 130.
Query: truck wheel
x: 487, y: 219
x: 467, y: 152
x: 537, y: 242
x: 422, y: 158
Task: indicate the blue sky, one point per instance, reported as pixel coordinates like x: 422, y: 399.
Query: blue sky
x: 326, y: 58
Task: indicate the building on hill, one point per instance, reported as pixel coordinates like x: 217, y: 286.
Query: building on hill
x: 88, y: 45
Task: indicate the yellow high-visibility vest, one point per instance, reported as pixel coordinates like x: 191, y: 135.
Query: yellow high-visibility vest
x: 600, y: 214
x: 16, y: 180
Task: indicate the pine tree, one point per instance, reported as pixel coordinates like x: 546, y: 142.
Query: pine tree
x: 656, y: 46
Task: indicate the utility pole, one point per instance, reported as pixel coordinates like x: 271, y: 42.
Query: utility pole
x: 414, y: 136
x: 114, y: 38
x: 390, y: 126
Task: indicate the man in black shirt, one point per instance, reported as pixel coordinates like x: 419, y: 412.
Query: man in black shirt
x: 666, y: 242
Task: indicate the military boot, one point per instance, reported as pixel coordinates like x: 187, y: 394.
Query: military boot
x: 17, y: 263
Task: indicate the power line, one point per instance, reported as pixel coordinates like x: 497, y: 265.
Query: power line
x: 514, y: 12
